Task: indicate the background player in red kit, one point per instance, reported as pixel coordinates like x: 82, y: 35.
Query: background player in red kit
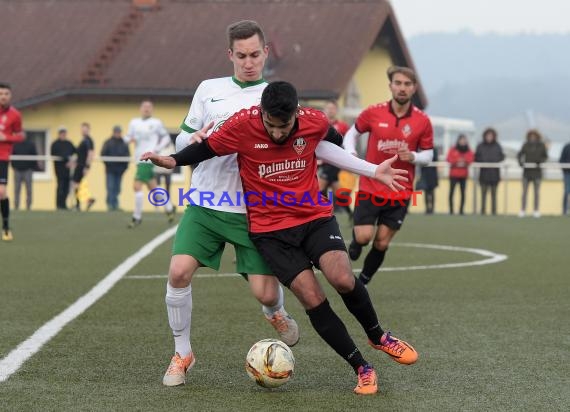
x: 329, y: 174
x: 395, y: 127
x: 10, y: 133
x: 277, y: 144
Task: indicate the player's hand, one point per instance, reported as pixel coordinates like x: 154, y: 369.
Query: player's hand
x: 405, y: 155
x: 2, y: 136
x: 389, y: 176
x: 167, y: 162
x: 201, y: 134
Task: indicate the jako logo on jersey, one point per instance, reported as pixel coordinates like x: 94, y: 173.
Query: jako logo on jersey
x: 260, y: 146
x: 299, y: 145
x: 281, y: 167
x: 382, y: 124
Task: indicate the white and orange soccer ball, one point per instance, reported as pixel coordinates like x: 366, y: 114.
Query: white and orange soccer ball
x: 270, y: 363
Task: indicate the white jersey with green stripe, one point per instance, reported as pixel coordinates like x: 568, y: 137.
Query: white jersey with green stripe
x: 149, y: 135
x: 218, y: 178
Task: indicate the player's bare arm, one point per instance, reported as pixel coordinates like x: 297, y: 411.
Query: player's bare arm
x: 167, y: 162
x: 194, y: 153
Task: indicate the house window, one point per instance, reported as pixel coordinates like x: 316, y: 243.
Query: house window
x: 40, y: 139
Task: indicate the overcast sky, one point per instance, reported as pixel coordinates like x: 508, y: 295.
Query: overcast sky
x: 482, y: 16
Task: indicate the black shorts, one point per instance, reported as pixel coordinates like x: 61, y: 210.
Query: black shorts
x: 379, y: 211
x: 328, y: 172
x: 3, y: 172
x: 78, y: 173
x: 290, y: 251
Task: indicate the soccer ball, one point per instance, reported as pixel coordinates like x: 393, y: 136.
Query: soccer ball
x: 270, y: 363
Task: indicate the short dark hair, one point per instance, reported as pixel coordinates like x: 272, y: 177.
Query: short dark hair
x: 406, y: 71
x: 244, y: 29
x: 490, y: 130
x: 279, y: 99
x: 5, y: 86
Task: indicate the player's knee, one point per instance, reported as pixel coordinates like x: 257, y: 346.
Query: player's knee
x: 179, y: 275
x: 309, y: 298
x: 381, y: 244
x: 363, y: 238
x: 343, y: 283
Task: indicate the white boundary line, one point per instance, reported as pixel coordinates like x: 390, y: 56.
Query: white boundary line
x: 491, y: 258
x: 25, y: 350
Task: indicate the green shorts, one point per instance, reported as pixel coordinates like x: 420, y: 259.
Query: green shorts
x: 203, y: 233
x: 145, y: 172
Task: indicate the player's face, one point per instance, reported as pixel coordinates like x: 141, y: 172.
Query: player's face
x: 248, y: 57
x: 330, y: 111
x: 5, y: 96
x: 276, y: 128
x: 146, y: 110
x: 402, y: 88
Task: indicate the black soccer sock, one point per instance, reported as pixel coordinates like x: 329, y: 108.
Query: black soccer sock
x: 330, y: 327
x: 5, y: 208
x: 358, y: 302
x: 372, y: 263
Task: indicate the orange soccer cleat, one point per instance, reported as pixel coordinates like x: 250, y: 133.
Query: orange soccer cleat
x: 367, y: 381
x: 399, y: 350
x: 176, y: 373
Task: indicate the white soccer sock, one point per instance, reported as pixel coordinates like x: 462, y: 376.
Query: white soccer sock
x: 168, y: 207
x: 139, y: 199
x: 179, y: 308
x: 269, y: 311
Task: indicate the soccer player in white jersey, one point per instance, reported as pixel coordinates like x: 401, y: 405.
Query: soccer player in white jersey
x: 205, y: 228
x: 148, y: 134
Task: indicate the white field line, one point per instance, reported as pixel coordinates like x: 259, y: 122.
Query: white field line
x: 490, y: 258
x: 25, y: 350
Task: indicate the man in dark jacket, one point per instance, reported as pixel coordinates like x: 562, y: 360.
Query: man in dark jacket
x: 63, y: 149
x: 533, y: 151
x: 115, y: 146
x: 23, y: 170
x: 489, y: 151
x: 565, y: 158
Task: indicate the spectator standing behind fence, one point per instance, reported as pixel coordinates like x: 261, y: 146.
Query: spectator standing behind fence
x: 489, y: 151
x: 23, y: 170
x: 565, y: 158
x: 85, y: 152
x: 115, y: 146
x: 63, y: 149
x: 427, y: 182
x: 459, y: 158
x: 532, y: 151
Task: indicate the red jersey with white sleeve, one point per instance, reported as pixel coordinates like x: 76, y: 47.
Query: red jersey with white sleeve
x: 388, y: 133
x: 11, y: 127
x: 279, y: 180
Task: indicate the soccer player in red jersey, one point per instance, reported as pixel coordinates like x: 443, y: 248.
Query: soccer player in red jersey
x: 290, y: 224
x: 328, y: 174
x: 396, y: 127
x: 10, y: 133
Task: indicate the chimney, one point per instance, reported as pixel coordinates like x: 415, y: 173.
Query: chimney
x: 145, y: 4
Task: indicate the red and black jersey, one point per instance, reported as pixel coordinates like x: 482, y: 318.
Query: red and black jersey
x: 279, y: 180
x: 340, y: 126
x: 388, y: 133
x: 11, y: 127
